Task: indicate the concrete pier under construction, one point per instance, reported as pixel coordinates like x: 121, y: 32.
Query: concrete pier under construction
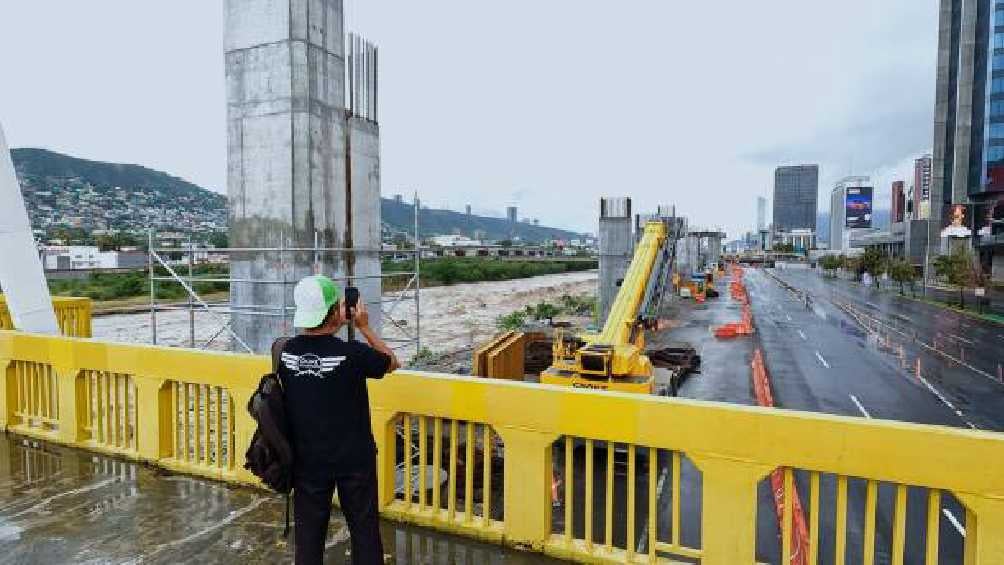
x: 616, y: 248
x: 303, y: 158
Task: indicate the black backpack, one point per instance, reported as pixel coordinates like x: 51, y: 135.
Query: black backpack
x: 270, y: 455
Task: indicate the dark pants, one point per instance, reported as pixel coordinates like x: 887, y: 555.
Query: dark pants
x: 357, y: 496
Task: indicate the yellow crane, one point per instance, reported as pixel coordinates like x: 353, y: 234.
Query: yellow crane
x: 614, y: 358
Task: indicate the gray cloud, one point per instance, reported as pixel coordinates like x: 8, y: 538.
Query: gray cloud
x: 551, y: 104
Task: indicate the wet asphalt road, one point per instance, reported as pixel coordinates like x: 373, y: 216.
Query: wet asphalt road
x: 961, y: 357
x: 820, y: 359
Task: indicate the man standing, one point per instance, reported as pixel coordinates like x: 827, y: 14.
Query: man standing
x: 327, y: 405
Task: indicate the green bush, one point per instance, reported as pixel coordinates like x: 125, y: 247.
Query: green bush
x: 112, y: 286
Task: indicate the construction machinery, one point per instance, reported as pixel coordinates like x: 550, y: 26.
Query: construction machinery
x: 614, y: 358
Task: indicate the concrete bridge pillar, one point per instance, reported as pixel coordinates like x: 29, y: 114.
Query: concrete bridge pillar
x: 303, y: 156
x: 616, y: 249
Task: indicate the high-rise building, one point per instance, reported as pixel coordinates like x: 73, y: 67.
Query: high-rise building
x: 795, y: 196
x: 761, y: 213
x: 898, y: 201
x: 850, y: 210
x: 968, y: 157
x: 922, y: 188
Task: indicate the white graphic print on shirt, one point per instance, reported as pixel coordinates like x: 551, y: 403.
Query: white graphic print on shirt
x: 310, y: 364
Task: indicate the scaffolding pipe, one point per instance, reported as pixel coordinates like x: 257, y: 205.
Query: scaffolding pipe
x: 153, y: 288
x: 418, y: 282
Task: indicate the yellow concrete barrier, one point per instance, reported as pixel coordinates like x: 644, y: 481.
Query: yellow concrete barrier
x: 73, y: 315
x: 483, y: 458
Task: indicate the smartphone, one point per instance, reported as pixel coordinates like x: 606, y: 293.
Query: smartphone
x: 351, y: 299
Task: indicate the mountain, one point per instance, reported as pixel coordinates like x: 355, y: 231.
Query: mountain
x: 61, y: 192
x: 45, y: 163
x: 400, y: 217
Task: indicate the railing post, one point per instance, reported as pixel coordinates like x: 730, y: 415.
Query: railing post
x: 84, y: 319
x: 383, y: 433
x: 153, y: 417
x: 528, y: 474
x: 984, y: 544
x: 728, y: 514
x: 7, y: 391
x: 71, y: 404
x: 244, y: 428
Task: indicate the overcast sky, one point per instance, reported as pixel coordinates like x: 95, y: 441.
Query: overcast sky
x: 547, y: 104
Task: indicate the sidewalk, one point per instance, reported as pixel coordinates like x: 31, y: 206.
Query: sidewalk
x: 61, y: 505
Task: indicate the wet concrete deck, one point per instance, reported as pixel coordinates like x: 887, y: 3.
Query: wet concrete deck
x: 724, y: 375
x: 61, y: 505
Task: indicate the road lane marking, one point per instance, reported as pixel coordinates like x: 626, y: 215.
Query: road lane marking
x: 954, y: 521
x: 946, y: 402
x: 953, y: 336
x: 821, y: 360
x: 788, y: 316
x: 860, y: 407
x: 801, y: 334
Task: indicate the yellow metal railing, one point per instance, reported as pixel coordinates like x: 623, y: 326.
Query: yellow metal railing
x: 73, y: 315
x: 635, y: 478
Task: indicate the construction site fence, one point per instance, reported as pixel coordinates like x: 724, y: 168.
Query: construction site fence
x: 73, y: 315
x: 660, y: 479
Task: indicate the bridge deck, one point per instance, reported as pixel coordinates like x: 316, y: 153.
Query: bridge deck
x: 61, y: 505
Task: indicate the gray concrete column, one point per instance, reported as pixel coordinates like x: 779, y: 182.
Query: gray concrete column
x: 289, y: 181
x: 616, y: 248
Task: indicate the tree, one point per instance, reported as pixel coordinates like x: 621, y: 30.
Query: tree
x: 871, y: 261
x: 219, y: 239
x: 958, y: 270
x: 902, y: 272
x: 830, y: 264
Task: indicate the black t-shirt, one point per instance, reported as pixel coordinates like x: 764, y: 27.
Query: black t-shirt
x: 327, y: 403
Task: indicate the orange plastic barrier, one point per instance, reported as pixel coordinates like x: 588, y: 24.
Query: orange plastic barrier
x: 799, y: 530
x: 738, y: 291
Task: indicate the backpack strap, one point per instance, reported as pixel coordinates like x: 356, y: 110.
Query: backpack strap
x: 277, y: 346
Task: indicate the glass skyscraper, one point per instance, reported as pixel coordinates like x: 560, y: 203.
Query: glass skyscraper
x: 796, y: 191
x: 968, y: 160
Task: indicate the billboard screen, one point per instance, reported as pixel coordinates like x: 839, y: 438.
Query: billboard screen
x: 859, y: 207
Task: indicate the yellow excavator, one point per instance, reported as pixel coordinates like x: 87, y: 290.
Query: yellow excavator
x: 614, y: 358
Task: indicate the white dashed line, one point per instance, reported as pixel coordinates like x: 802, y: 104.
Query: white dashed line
x: 958, y: 338
x: 860, y: 407
x: 821, y: 360
x: 946, y: 402
x: 801, y: 334
x: 955, y: 522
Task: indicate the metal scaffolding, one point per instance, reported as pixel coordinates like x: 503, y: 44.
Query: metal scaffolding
x: 220, y: 312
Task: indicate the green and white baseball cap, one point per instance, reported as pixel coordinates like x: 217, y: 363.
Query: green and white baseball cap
x: 313, y: 297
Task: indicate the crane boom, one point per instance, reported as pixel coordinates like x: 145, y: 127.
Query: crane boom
x: 614, y: 358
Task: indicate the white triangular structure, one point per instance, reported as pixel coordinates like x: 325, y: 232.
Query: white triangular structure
x: 21, y: 274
